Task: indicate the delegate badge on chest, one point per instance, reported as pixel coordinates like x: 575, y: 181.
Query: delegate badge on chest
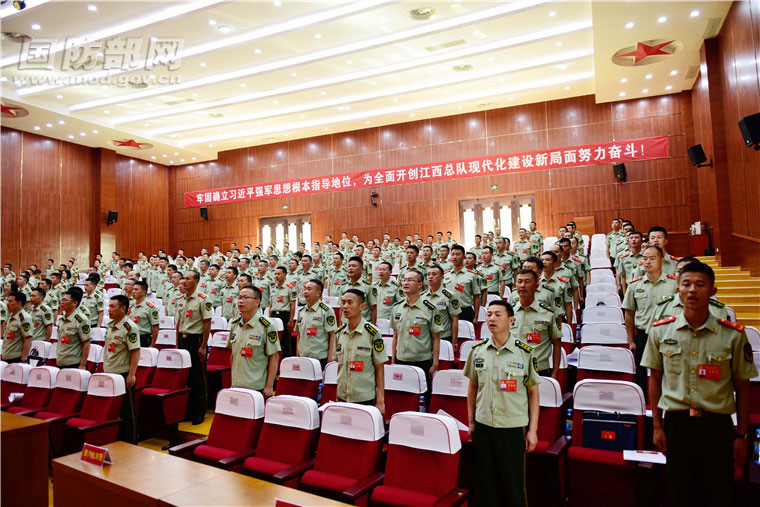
x: 246, y: 351
x: 415, y: 330
x: 189, y: 314
x: 311, y: 331
x: 386, y: 301
x: 357, y: 366
x: 279, y: 299
x: 111, y: 347
x: 508, y: 386
x: 67, y: 339
x: 137, y: 320
x: 708, y: 371
x: 533, y: 337
x: 459, y: 287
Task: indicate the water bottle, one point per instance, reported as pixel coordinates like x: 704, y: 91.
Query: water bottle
x: 756, y: 453
x: 569, y: 423
x: 421, y: 406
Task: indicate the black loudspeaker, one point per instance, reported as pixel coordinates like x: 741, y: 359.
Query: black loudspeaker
x: 698, y: 157
x: 619, y: 172
x: 112, y: 217
x: 204, y: 212
x: 750, y: 127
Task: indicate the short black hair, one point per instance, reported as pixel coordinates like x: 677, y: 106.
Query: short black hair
x: 528, y: 272
x: 501, y: 302
x: 247, y: 277
x: 337, y: 252
x: 76, y: 294
x: 142, y: 284
x: 234, y: 270
x: 318, y: 283
x: 415, y: 248
x: 37, y: 289
x: 698, y: 267
x: 355, y: 292
x: 659, y: 250
x: 386, y: 263
x: 658, y: 228
x: 256, y: 291
x: 281, y: 268
x: 551, y: 254
x: 121, y: 300
x: 535, y: 260
x: 19, y: 296
x: 457, y: 247
x: 357, y: 259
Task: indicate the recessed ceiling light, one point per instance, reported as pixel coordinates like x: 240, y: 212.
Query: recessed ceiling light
x: 624, y: 80
x: 210, y: 145
x: 203, y: 64
x: 323, y: 92
x: 411, y: 114
x: 395, y: 100
x: 552, y: 14
x: 374, y: 83
x: 94, y: 131
x: 349, y: 62
x: 171, y: 161
x: 694, y: 14
x: 35, y: 26
x: 327, y: 128
x: 224, y: 28
x: 70, y: 136
x: 317, y: 35
x: 511, y: 99
x: 48, y: 125
x: 277, y: 3
x: 645, y: 90
x: 212, y: 22
x: 422, y: 13
x: 106, y: 111
x: 36, y: 127
x: 562, y: 66
x: 460, y: 108
x: 275, y: 101
x: 294, y: 74
x: 567, y: 88
x: 175, y: 153
x: 3, y: 79
x: 146, y: 124
x: 629, y: 24
x: 193, y: 158
x: 662, y: 19
x: 182, y: 160
x: 303, y: 116
x: 257, y: 51
x: 673, y: 72
x: 558, y: 44
x: 648, y: 76
x: 368, y: 122
x: 242, y: 85
x: 164, y: 155
x: 82, y: 134
x: 153, y: 157
x: 668, y: 87
x: 92, y: 8
x: 622, y: 94
x: 61, y: 122
x: 59, y: 96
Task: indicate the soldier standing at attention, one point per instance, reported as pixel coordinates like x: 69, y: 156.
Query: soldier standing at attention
x: 17, y: 331
x: 316, y: 325
x: 502, y: 408
x: 145, y: 315
x: 194, y: 311
x: 697, y: 363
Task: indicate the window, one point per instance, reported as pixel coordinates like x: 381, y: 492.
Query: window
x: 502, y: 214
x: 292, y: 230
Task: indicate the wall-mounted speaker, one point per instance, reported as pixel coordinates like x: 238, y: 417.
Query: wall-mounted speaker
x: 112, y: 217
x: 698, y: 157
x: 750, y: 127
x: 204, y: 212
x: 619, y: 172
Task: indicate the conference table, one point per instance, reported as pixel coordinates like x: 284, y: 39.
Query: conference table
x: 140, y: 476
x: 24, y: 462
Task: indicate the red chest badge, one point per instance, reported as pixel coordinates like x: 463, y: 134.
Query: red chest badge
x: 10, y: 336
x: 459, y: 287
x: 508, y: 386
x: 229, y: 300
x: 489, y: 277
x: 356, y: 366
x: 311, y: 331
x: 708, y: 371
x: 386, y: 301
x: 189, y: 314
x: 137, y: 320
x: 279, y: 299
x: 246, y: 352
x: 111, y: 347
x: 534, y: 337
x: 415, y: 330
x: 67, y: 339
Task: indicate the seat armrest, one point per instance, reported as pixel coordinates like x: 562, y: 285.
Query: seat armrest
x: 294, y: 471
x: 558, y: 447
x: 223, y: 369
x: 456, y: 497
x: 187, y: 447
x: 99, y: 426
x: 236, y: 458
x: 62, y: 418
x: 364, y: 486
x: 170, y: 394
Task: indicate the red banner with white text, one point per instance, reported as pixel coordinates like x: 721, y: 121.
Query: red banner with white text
x: 612, y: 152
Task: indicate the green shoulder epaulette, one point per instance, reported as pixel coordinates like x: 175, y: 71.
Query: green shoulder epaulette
x: 370, y: 329
x: 429, y: 304
x: 717, y: 303
x: 264, y: 321
x: 666, y: 299
x: 524, y: 346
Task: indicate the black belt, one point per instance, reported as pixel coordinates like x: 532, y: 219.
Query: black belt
x: 494, y: 293
x: 185, y: 336
x: 695, y: 412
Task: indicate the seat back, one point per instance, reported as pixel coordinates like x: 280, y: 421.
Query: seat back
x: 219, y: 355
x: 753, y: 335
x: 604, y: 288
x: 466, y: 330
x: 613, y: 335
x: 600, y: 362
x: 300, y: 376
x: 39, y: 388
x: 602, y: 299
x: 330, y: 383
x: 167, y: 339
x: 17, y: 373
x: 562, y: 371
x: 384, y: 326
x: 602, y: 276
x: 449, y: 394
x: 94, y: 357
x: 550, y: 412
x: 423, y: 453
x: 446, y: 356
x: 166, y: 322
x: 290, y: 429
x: 238, y: 416
x: 70, y: 391
x: 568, y: 342
x: 404, y: 384
x: 602, y: 314
x: 350, y: 440
x: 146, y: 367
x: 97, y: 335
x: 105, y: 392
x: 465, y: 348
x: 39, y: 352
x: 608, y: 396
x: 172, y: 369
x: 219, y: 324
x: 600, y: 263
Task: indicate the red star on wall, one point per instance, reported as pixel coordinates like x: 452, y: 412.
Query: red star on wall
x: 130, y: 143
x: 645, y: 50
x: 9, y: 110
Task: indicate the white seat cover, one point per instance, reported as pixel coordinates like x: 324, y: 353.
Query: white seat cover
x: 614, y: 396
x: 602, y: 299
x: 756, y: 358
x: 219, y: 339
x: 174, y: 359
x: 167, y: 337
x: 485, y: 332
x: 95, y: 354
x: 465, y: 348
x: 594, y: 288
x: 53, y: 350
x: 567, y: 333
x: 450, y: 383
x: 302, y: 368
x: 97, y: 334
x: 148, y: 357
x: 562, y: 360
x: 601, y: 358
x: 43, y: 377
x: 277, y: 323
x: 331, y: 301
x: 446, y: 351
x: 405, y: 378
x: 354, y: 421
x: 3, y: 364
x: 549, y: 393
x: 166, y: 322
x: 600, y: 263
x: 292, y: 411
x: 604, y: 334
x: 597, y: 314
x: 17, y: 373
x: 466, y: 330
x: 384, y: 326
x: 107, y: 385
x: 430, y: 432
x: 219, y: 323
x: 753, y: 335
x: 239, y: 402
x: 388, y: 344
x: 331, y: 373
x: 40, y: 348
x: 73, y: 379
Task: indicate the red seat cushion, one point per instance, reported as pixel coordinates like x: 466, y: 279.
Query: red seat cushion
x: 542, y: 446
x: 611, y: 458
x: 395, y: 496
x: 264, y: 466
x: 209, y: 452
x: 78, y: 422
x: 47, y: 415
x: 328, y: 481
x: 154, y: 391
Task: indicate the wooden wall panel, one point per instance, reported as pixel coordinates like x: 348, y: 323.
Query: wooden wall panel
x: 656, y: 188
x: 10, y: 197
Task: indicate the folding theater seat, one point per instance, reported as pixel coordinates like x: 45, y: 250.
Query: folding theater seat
x: 218, y: 366
x: 219, y: 324
x: 465, y: 347
x: 39, y: 352
x: 384, y: 326
x: 568, y: 340
x: 299, y: 376
x: 546, y: 464
x: 166, y: 322
x: 286, y: 445
x: 595, y: 288
x: 38, y: 391
x: 609, y: 363
x: 15, y: 379
x: 234, y: 431
x: 611, y: 335
x: 602, y: 314
x: 562, y: 371
x: 608, y: 417
x: 485, y: 333
x: 388, y: 343
x: 166, y: 339
x: 449, y: 394
x: 3, y: 364
x: 54, y: 334
x: 422, y: 462
x: 52, y: 359
x: 446, y: 358
x: 162, y: 405
x: 330, y: 383
x: 98, y: 423
x: 404, y: 384
x: 146, y: 367
x: 603, y: 299
x: 466, y: 330
x: 94, y: 358
x: 67, y: 400
x: 348, y: 455
x: 97, y: 335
